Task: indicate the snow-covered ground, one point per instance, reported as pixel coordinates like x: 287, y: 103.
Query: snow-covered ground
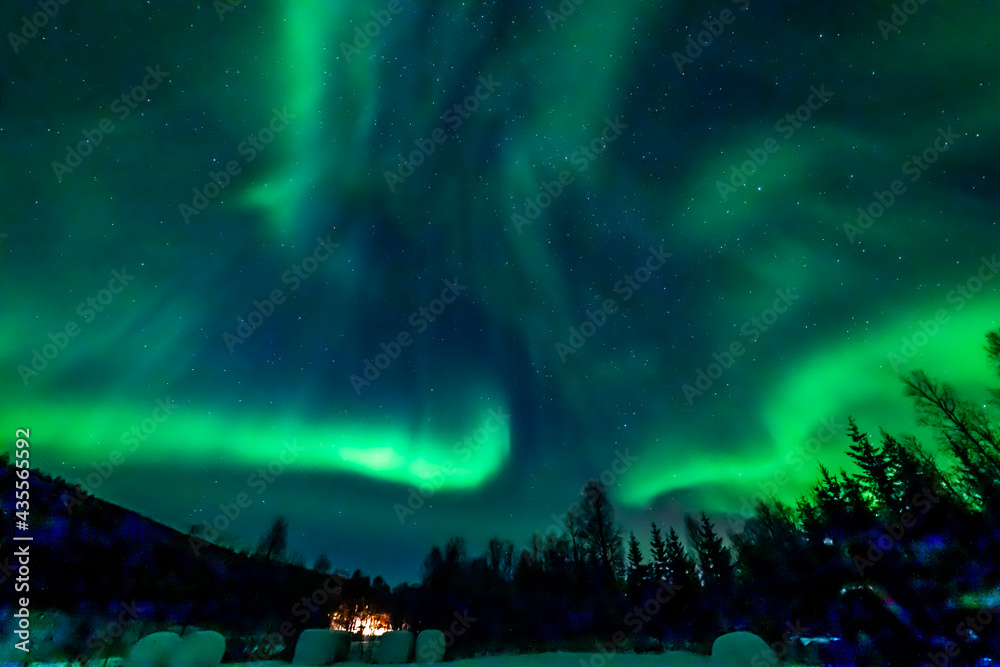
x: 669, y: 659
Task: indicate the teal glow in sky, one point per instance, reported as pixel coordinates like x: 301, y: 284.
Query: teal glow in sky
x: 280, y: 137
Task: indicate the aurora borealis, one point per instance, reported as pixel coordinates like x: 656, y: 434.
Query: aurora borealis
x: 295, y: 195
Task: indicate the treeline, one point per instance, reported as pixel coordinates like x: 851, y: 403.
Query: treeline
x: 893, y: 557
x: 896, y: 557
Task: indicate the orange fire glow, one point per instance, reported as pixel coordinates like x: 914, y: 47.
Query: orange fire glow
x: 365, y: 621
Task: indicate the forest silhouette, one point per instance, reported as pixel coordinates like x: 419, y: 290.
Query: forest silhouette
x: 894, y: 558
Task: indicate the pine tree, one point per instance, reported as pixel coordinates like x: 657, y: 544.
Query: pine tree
x: 681, y: 578
x: 876, y: 468
x: 659, y: 553
x: 908, y: 471
x: 841, y: 509
x: 858, y: 508
x: 637, y: 572
x: 717, y: 575
x: 679, y: 565
x: 714, y: 558
x: 809, y: 517
x: 830, y: 498
x: 634, y: 555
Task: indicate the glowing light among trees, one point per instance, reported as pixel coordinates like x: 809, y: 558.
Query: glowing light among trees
x: 360, y: 620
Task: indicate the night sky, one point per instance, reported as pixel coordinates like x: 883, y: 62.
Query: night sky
x: 487, y: 248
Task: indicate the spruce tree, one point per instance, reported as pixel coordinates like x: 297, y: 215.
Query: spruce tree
x: 635, y: 565
x: 659, y: 552
x: 876, y: 468
x: 830, y: 498
x: 636, y: 576
x: 678, y: 616
x: 714, y: 558
x: 908, y: 471
x: 858, y: 508
x: 680, y: 569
